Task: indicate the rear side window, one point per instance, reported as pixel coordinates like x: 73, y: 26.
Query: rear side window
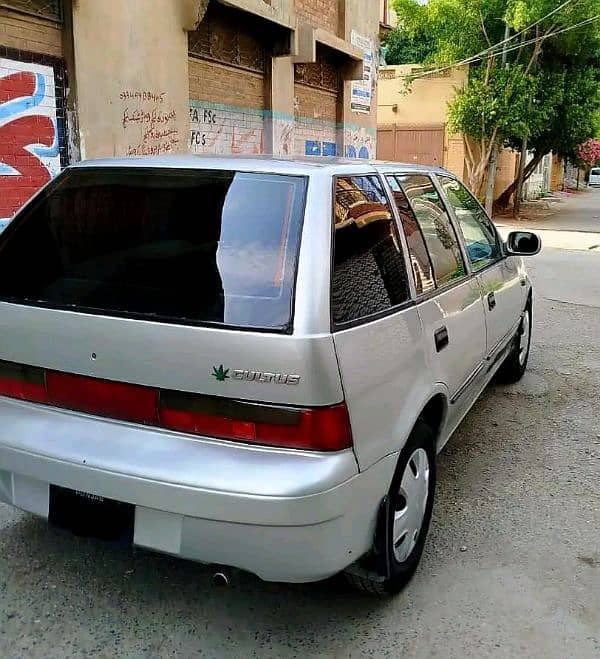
x: 369, y: 274
x: 192, y: 246
x: 436, y: 227
x: 419, y: 258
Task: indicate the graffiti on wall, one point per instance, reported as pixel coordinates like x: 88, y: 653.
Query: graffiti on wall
x: 29, y: 149
x: 283, y: 136
x: 359, y: 143
x: 223, y: 129
x: 226, y: 130
x: 149, y: 122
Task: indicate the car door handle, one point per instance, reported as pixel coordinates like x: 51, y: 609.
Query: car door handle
x: 491, y: 298
x: 441, y: 338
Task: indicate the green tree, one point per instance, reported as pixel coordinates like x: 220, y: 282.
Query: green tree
x: 575, y: 105
x: 405, y: 49
x: 508, y: 102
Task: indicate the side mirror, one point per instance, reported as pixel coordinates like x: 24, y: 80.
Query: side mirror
x: 523, y: 243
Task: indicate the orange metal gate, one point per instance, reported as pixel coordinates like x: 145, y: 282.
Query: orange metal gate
x: 423, y: 146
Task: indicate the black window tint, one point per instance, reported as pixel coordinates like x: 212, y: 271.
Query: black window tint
x: 481, y: 239
x: 369, y: 275
x: 180, y: 245
x: 419, y: 258
x: 434, y: 221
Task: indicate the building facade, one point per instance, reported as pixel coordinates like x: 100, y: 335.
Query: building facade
x: 413, y: 127
x: 413, y: 121
x: 85, y: 79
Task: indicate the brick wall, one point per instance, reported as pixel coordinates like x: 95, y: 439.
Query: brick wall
x: 218, y: 83
x: 320, y: 13
x: 315, y: 103
x: 35, y: 35
x: 33, y: 144
x: 226, y: 109
x: 315, y: 121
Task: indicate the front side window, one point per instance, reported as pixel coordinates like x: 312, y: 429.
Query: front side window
x: 436, y: 227
x: 369, y: 274
x: 192, y: 246
x: 481, y: 239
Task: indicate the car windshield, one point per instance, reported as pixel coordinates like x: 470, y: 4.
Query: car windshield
x: 192, y: 246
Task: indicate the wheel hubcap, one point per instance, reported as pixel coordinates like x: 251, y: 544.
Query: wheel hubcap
x: 411, y: 503
x: 524, y: 338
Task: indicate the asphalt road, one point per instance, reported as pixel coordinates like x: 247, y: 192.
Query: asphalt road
x: 512, y: 567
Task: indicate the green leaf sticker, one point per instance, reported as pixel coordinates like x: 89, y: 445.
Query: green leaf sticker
x: 221, y: 374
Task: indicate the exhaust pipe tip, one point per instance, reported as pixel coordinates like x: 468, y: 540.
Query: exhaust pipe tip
x: 220, y: 579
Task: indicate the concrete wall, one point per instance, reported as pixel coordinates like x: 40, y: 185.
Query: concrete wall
x: 424, y: 103
x: 132, y: 77
x: 360, y: 130
x: 387, y: 15
x: 507, y: 169
x: 422, y: 106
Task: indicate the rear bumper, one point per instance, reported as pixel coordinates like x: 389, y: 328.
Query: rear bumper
x: 283, y: 515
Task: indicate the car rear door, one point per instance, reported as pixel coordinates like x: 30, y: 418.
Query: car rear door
x: 177, y: 279
x: 375, y: 323
x: 449, y: 298
x: 501, y: 282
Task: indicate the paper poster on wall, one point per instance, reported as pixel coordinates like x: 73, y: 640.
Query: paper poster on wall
x: 360, y: 97
x: 361, y: 91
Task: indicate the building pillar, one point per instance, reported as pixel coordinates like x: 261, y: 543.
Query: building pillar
x: 279, y: 121
x: 132, y: 76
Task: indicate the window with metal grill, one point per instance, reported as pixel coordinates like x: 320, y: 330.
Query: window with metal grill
x: 322, y: 74
x: 45, y: 8
x: 234, y: 38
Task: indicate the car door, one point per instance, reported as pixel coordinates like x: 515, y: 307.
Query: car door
x: 449, y: 298
x: 375, y: 323
x: 501, y: 283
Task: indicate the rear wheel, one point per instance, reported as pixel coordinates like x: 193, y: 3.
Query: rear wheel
x: 515, y: 364
x: 408, y: 515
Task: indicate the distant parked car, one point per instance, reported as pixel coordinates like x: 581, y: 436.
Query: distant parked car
x: 594, y: 176
x: 251, y: 362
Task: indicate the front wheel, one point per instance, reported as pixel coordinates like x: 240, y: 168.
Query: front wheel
x: 515, y: 364
x: 409, y: 514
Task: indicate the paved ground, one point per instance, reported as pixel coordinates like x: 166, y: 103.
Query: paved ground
x: 519, y: 490
x: 565, y: 212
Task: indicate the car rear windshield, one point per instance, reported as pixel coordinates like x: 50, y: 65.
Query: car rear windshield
x: 185, y: 246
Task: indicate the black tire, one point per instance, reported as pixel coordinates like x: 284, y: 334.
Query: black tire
x: 514, y: 366
x: 422, y: 437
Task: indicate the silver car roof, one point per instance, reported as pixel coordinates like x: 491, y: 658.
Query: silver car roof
x: 300, y: 165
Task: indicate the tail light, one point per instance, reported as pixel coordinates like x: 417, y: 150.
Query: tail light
x: 315, y: 429
x: 23, y: 382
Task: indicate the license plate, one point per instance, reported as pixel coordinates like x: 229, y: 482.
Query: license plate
x: 89, y: 515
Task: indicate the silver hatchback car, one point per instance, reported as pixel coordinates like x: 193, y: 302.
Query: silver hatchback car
x: 251, y: 362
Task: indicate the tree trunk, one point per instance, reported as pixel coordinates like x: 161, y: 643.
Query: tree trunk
x: 504, y: 199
